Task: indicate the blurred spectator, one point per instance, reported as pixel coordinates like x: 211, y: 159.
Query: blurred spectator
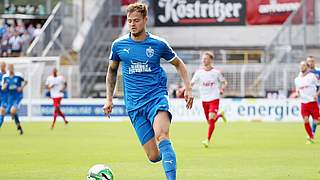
x: 15, y: 38
x: 37, y: 31
x: 31, y: 29
x: 5, y: 47
x: 16, y: 43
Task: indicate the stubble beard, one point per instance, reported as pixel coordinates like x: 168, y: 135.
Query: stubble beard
x: 137, y: 34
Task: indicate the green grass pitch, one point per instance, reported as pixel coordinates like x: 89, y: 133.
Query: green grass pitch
x: 241, y: 150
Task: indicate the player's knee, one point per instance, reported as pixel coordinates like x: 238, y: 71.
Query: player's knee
x: 212, y: 115
x: 154, y: 158
x: 13, y: 111
x: 2, y: 111
x: 162, y: 135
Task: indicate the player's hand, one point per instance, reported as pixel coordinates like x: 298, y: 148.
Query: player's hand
x: 221, y: 91
x: 51, y: 86
x: 19, y: 89
x: 107, y: 108
x: 315, y: 97
x: 188, y: 97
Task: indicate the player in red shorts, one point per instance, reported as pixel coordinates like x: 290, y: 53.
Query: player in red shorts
x: 211, y: 85
x: 306, y: 86
x: 57, y: 85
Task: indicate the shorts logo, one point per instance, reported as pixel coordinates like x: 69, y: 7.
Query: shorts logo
x: 149, y: 52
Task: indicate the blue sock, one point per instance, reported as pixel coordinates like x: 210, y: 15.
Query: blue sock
x: 168, y: 159
x: 1, y: 120
x: 16, y: 119
x: 314, y: 127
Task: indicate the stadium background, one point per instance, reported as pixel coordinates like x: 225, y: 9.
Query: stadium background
x: 257, y: 45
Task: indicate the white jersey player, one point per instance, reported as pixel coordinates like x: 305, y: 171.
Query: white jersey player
x: 57, y: 85
x: 211, y: 84
x: 306, y: 86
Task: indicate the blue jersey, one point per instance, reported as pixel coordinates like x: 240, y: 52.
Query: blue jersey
x: 143, y: 77
x: 317, y: 73
x: 2, y: 92
x: 12, y: 84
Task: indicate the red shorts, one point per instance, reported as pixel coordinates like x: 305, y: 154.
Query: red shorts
x: 210, y: 107
x: 56, y: 102
x: 310, y: 108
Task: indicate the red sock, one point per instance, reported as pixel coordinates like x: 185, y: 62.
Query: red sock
x: 218, y: 116
x: 55, y: 114
x: 62, y: 115
x: 211, y: 128
x: 308, y: 129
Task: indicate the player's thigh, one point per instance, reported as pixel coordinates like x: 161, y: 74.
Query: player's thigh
x: 56, y: 102
x: 205, y: 107
x: 213, y: 108
x: 305, y: 112
x: 142, y: 125
x: 161, y: 125
x: 315, y: 112
x: 15, y: 105
x: 160, y: 117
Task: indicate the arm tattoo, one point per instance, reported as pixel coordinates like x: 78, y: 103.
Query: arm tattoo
x: 111, y: 81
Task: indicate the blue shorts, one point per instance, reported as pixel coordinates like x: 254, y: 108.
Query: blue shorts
x: 142, y: 118
x: 11, y: 102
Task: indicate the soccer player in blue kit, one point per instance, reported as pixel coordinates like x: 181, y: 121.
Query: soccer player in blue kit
x: 145, y: 86
x: 13, y: 83
x: 3, y: 95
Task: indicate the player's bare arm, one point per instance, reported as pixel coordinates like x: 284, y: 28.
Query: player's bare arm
x: 223, y: 86
x: 20, y: 89
x: 64, y: 87
x: 111, y: 79
x: 4, y: 86
x: 182, y: 71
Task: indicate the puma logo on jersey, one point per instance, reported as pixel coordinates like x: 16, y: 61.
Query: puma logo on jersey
x: 126, y: 50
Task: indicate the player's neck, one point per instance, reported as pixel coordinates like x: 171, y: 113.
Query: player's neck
x: 305, y: 73
x: 208, y: 67
x: 140, y: 37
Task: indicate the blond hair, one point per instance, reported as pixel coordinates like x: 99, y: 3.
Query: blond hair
x: 209, y: 54
x: 138, y: 7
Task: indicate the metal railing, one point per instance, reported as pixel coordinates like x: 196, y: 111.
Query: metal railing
x: 288, y: 46
x: 48, y: 32
x: 93, y: 42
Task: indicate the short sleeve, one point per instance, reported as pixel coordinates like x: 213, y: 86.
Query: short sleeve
x: 315, y: 80
x: 20, y: 75
x: 48, y: 81
x: 167, y: 52
x: 63, y: 80
x: 195, y: 77
x: 296, y: 83
x: 113, y: 54
x: 220, y: 77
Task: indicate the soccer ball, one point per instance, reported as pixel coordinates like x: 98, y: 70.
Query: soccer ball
x: 100, y: 172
